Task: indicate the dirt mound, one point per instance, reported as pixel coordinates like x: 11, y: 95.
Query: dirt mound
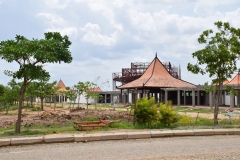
x: 62, y: 116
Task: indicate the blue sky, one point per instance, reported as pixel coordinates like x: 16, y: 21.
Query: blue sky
x: 107, y: 35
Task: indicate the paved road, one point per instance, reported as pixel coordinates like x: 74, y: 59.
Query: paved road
x: 212, y: 147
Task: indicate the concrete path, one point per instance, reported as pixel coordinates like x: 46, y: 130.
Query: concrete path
x: 64, y: 138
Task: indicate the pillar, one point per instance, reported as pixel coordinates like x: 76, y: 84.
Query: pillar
x: 238, y: 98
x: 155, y: 97
x: 112, y: 99
x: 232, y: 99
x: 193, y: 98
x: 224, y: 103
x: 210, y: 100
x: 178, y: 98
x: 184, y: 97
x: 198, y: 97
x: 166, y: 96
x: 105, y: 98
x: 120, y: 97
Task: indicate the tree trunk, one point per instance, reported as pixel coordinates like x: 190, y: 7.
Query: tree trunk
x: 78, y: 101
x: 217, y: 98
x: 54, y: 100
x: 18, y: 124
x: 31, y: 101
x: 41, y: 104
x: 95, y: 103
x: 7, y: 108
x: 87, y: 103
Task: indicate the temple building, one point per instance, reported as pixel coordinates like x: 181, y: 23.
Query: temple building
x: 159, y: 83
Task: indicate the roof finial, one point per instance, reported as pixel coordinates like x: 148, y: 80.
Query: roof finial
x: 156, y: 55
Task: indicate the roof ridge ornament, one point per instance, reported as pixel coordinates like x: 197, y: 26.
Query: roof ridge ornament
x: 156, y: 55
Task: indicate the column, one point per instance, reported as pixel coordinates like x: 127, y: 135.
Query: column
x: 232, y: 99
x: 112, y: 99
x: 184, y: 97
x: 193, y: 97
x: 178, y: 98
x: 155, y: 96
x: 120, y: 97
x: 238, y: 98
x: 224, y: 98
x: 210, y: 99
x: 133, y: 97
x: 198, y: 97
x: 105, y: 98
x: 166, y: 96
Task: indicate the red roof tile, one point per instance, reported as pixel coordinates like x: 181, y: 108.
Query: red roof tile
x: 235, y: 80
x: 156, y: 75
x: 61, y: 86
x: 96, y: 89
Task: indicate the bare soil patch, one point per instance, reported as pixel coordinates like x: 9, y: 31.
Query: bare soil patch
x: 49, y: 116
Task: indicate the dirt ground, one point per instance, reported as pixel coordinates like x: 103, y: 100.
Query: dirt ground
x: 49, y: 116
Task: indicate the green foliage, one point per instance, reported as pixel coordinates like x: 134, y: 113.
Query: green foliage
x: 7, y: 97
x: 146, y: 111
x: 30, y: 55
x: 168, y: 114
x: 218, y: 58
x: 185, y: 120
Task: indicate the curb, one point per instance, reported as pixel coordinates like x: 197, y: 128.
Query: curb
x: 114, y: 136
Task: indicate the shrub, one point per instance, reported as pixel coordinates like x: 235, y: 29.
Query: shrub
x: 168, y: 114
x: 185, y: 120
x: 146, y: 111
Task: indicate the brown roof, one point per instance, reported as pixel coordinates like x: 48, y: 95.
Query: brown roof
x: 225, y: 82
x: 61, y: 86
x: 156, y: 75
x: 96, y: 89
x: 235, y: 80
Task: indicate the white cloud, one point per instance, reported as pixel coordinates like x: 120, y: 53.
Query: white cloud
x: 59, y: 4
x: 205, y: 7
x: 70, y: 31
x: 92, y: 35
x: 52, y: 19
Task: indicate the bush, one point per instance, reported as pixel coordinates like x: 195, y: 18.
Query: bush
x: 146, y: 111
x: 168, y: 114
x: 185, y: 120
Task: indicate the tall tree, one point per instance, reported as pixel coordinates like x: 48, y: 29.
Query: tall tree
x: 7, y: 97
x: 44, y: 89
x: 99, y: 82
x: 218, y: 58
x: 71, y: 95
x: 79, y: 88
x: 88, y: 93
x: 30, y: 55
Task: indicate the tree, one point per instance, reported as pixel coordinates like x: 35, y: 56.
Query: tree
x: 88, y: 90
x: 30, y: 55
x: 218, y: 58
x: 7, y: 97
x: 79, y: 88
x: 44, y: 89
x: 31, y: 92
x: 101, y: 84
x: 71, y: 95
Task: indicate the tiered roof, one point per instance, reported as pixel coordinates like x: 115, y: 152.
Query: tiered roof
x: 157, y: 76
x: 61, y: 86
